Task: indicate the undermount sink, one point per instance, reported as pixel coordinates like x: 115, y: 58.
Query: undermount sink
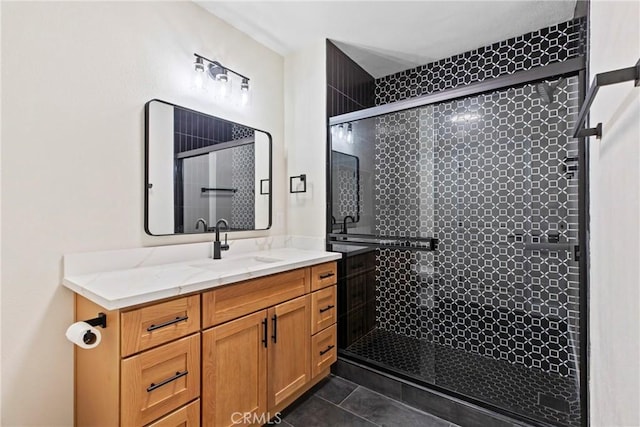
x: 225, y: 264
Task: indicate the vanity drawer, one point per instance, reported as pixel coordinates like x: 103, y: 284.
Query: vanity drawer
x: 324, y: 275
x: 323, y: 350
x: 323, y: 308
x: 156, y: 324
x: 188, y: 416
x: 158, y: 381
x: 233, y: 301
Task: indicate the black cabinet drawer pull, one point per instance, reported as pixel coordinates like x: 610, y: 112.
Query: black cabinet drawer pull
x: 329, y: 307
x: 170, y: 322
x: 358, y: 266
x: 264, y: 325
x: 328, y: 348
x: 178, y: 374
x: 326, y: 276
x: 274, y: 319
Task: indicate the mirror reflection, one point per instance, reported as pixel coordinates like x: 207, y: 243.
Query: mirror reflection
x: 345, y: 169
x: 200, y: 169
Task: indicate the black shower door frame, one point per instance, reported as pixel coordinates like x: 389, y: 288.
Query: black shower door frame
x: 575, y: 66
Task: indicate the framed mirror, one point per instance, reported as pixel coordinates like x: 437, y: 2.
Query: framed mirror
x: 345, y: 179
x: 200, y: 168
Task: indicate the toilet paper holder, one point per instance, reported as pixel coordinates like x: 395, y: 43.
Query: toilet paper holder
x: 101, y: 320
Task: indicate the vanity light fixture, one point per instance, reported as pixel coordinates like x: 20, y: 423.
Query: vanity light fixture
x: 349, y: 134
x: 222, y: 79
x: 343, y: 133
x: 198, y: 76
x: 244, y: 92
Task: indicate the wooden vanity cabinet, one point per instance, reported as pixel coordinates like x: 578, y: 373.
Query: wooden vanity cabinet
x: 289, y: 349
x: 234, y: 369
x: 255, y: 363
x: 146, y: 367
x: 324, y: 314
x: 210, y: 358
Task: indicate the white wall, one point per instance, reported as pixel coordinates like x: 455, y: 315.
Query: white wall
x: 75, y: 79
x: 161, y: 203
x: 615, y: 221
x: 306, y: 138
x: 261, y: 152
x: 1, y: 223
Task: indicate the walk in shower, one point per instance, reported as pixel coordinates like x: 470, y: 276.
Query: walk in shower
x: 459, y: 216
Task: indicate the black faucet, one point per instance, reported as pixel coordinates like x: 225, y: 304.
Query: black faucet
x: 217, y: 245
x: 204, y: 224
x: 344, y: 223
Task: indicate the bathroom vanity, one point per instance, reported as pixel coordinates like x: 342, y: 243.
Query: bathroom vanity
x: 214, y: 343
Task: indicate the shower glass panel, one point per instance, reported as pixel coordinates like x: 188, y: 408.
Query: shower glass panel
x: 492, y: 312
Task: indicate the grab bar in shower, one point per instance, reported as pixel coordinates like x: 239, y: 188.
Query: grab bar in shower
x: 603, y: 79
x: 386, y: 242
x: 547, y: 246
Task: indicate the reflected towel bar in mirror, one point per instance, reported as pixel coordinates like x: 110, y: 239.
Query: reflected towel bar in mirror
x: 206, y: 190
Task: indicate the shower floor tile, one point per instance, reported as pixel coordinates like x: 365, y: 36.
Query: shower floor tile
x: 537, y: 394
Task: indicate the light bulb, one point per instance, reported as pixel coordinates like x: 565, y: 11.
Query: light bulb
x: 222, y: 76
x: 350, y: 134
x: 244, y: 92
x: 198, y: 80
x: 340, y: 132
x: 199, y: 64
x: 198, y: 74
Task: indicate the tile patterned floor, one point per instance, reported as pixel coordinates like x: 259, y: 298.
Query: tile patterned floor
x: 520, y: 389
x: 337, y: 402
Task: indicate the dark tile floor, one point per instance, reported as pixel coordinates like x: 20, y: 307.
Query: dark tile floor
x: 338, y: 402
x: 544, y: 396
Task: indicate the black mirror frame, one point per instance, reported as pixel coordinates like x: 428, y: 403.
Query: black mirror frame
x: 147, y: 186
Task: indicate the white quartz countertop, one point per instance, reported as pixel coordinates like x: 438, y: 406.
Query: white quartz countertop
x: 124, y: 288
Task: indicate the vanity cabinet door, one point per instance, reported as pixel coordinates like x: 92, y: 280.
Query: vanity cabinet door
x: 289, y: 349
x: 234, y: 371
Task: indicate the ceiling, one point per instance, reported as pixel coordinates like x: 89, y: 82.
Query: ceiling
x: 385, y: 37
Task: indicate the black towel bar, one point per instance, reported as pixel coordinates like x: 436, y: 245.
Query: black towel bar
x: 603, y: 79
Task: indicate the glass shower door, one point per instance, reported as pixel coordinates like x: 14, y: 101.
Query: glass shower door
x: 492, y: 311
x: 507, y: 222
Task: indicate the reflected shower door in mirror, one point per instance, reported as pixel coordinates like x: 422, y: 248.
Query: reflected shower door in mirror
x: 200, y: 168
x: 345, y: 169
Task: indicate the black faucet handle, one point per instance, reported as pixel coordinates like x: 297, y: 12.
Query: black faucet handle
x: 225, y: 245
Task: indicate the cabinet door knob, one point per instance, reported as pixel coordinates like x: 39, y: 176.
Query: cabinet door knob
x: 326, y: 275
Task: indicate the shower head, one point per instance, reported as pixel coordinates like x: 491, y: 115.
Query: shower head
x: 545, y: 90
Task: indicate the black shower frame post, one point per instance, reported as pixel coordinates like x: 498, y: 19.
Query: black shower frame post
x: 574, y: 66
